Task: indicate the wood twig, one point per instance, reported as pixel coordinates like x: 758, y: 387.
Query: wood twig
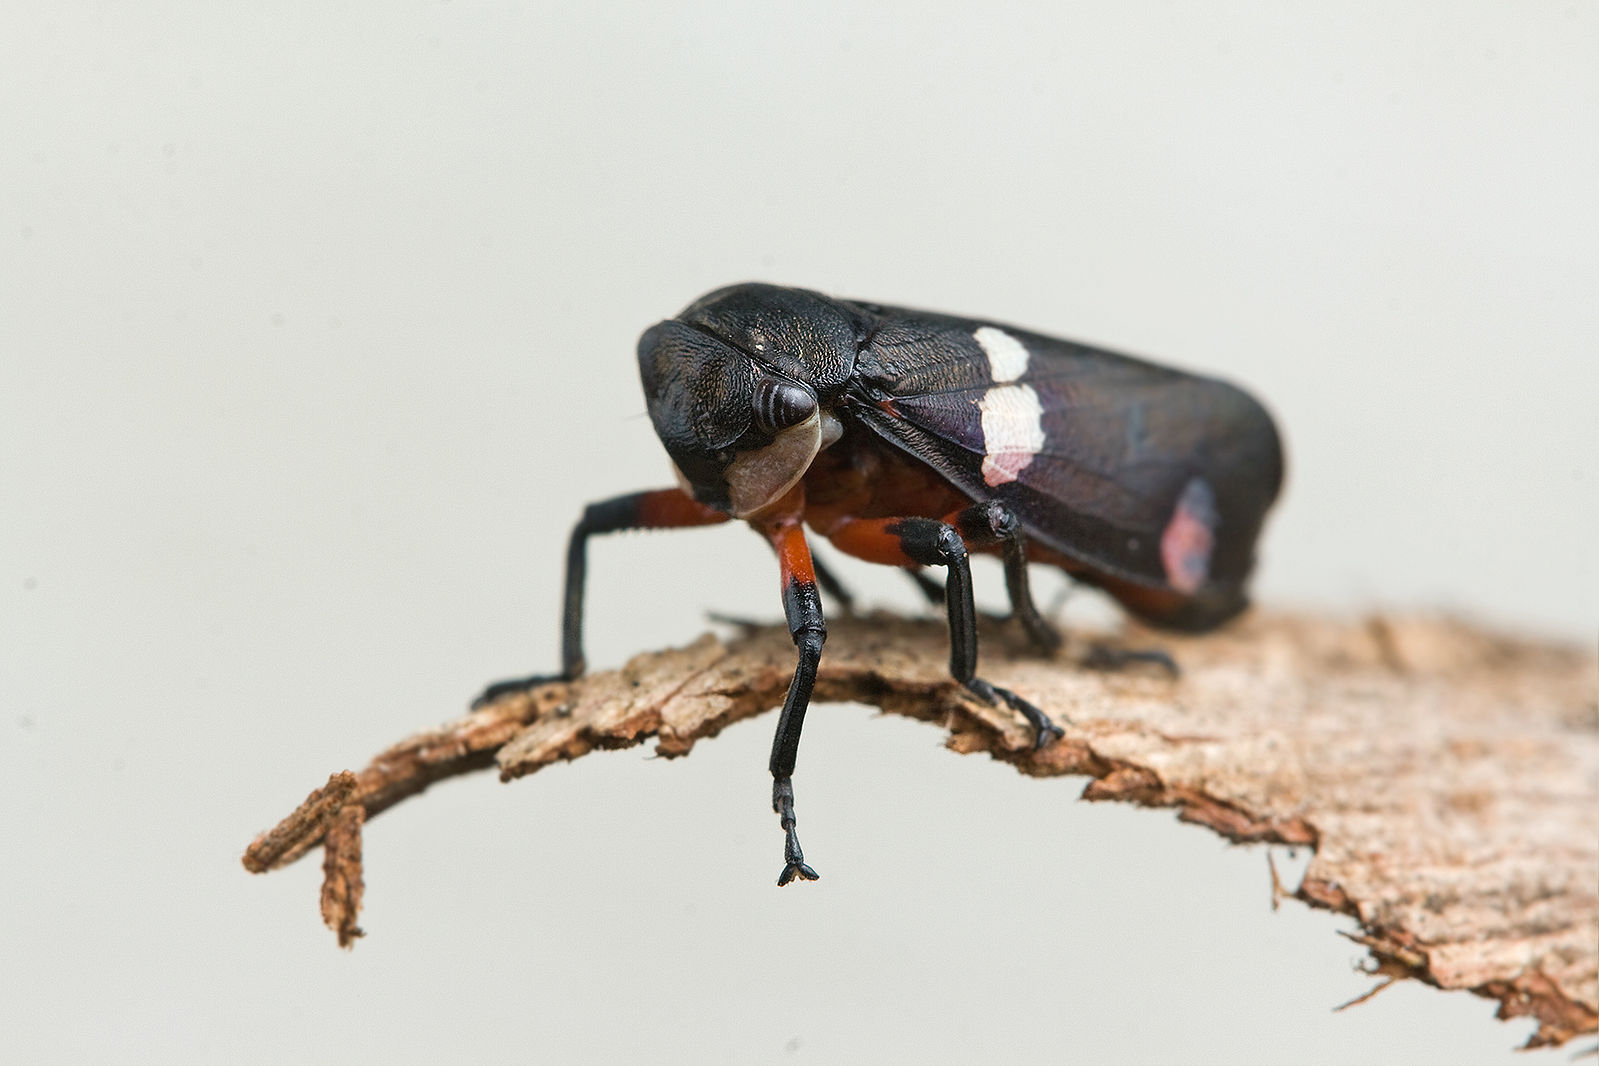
x: 1447, y: 778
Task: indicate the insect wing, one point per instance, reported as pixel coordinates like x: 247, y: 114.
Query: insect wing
x: 1145, y: 473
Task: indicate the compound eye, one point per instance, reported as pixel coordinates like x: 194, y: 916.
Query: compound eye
x: 780, y: 404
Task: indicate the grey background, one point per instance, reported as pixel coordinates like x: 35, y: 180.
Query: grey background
x: 316, y: 328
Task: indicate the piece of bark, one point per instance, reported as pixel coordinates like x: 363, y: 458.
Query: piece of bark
x: 304, y: 826
x: 1447, y: 778
x: 342, y: 884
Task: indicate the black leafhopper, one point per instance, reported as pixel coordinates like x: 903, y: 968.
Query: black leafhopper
x: 912, y: 439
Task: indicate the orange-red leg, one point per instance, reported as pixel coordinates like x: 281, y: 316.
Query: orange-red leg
x: 802, y: 606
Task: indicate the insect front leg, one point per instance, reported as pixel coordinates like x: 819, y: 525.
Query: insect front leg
x: 928, y: 542
x: 803, y: 609
x: 994, y: 523
x: 659, y: 509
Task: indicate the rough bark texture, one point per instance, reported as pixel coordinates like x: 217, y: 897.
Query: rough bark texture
x: 1447, y: 778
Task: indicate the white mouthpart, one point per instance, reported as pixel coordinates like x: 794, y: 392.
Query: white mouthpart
x: 760, y: 478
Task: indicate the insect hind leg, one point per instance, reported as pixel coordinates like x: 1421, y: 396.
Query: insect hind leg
x: 931, y: 590
x: 833, y: 588
x: 1111, y: 657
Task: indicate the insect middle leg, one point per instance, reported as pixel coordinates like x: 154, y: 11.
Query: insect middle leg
x: 994, y: 523
x: 929, y: 542
x: 659, y: 509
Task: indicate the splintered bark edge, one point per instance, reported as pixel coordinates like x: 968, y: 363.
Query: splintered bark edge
x: 1447, y: 778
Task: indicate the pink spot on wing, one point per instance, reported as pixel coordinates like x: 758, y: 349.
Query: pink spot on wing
x: 1005, y: 467
x: 1186, y: 543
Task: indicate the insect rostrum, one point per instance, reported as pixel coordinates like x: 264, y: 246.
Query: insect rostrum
x: 911, y: 439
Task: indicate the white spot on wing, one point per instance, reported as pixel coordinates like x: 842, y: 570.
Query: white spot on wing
x: 1013, y: 430
x: 1007, y: 357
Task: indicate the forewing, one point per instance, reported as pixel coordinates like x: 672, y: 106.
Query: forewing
x: 1108, y: 459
